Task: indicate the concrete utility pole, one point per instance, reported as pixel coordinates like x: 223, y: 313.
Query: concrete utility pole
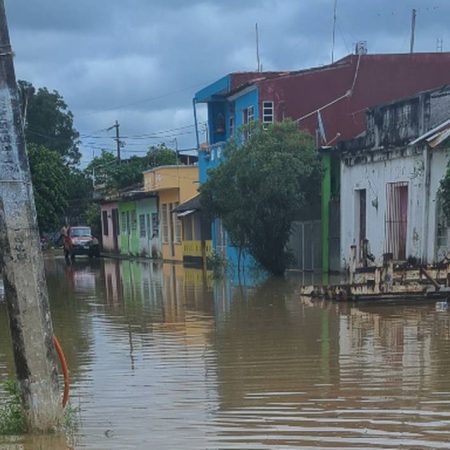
x: 117, y: 138
x: 21, y: 259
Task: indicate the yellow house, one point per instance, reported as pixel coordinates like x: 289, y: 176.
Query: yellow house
x: 174, y: 185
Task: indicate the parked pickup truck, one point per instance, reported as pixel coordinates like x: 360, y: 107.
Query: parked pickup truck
x: 81, y: 242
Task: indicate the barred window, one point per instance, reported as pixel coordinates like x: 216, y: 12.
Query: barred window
x: 267, y: 112
x: 123, y: 225
x: 133, y: 220
x: 155, y: 224
x: 231, y: 125
x: 248, y: 115
x: 142, y: 225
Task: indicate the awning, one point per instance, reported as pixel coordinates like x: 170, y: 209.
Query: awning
x: 186, y: 213
x: 193, y: 204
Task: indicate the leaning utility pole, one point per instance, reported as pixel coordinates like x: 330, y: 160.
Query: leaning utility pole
x: 21, y: 259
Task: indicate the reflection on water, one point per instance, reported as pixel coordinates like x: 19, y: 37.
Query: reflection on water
x: 167, y: 358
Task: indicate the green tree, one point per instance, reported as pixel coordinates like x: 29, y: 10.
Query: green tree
x: 261, y: 187
x: 48, y: 121
x: 79, y: 196
x: 113, y: 174
x: 444, y: 192
x: 49, y: 177
x: 160, y: 155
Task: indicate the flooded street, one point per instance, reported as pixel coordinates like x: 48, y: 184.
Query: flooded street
x: 164, y: 357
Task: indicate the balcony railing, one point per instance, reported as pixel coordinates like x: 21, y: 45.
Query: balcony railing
x: 214, y: 152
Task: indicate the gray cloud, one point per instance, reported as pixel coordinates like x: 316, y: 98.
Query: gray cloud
x: 141, y: 61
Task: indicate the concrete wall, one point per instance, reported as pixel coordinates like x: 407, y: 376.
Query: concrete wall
x: 385, y: 155
x: 389, y: 167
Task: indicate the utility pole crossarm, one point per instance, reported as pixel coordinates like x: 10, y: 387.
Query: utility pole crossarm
x: 117, y: 138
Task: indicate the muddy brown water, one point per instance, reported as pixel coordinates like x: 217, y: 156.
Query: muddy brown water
x: 163, y: 357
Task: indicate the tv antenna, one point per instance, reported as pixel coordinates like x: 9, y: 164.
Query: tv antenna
x: 334, y: 31
x: 258, y: 61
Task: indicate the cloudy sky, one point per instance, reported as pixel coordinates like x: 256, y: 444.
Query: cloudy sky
x: 141, y: 61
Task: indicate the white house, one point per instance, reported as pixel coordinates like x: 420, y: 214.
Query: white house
x: 390, y: 180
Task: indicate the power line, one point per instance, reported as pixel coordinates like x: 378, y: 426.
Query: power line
x: 145, y: 134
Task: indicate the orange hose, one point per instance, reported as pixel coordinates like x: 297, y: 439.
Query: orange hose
x: 64, y: 368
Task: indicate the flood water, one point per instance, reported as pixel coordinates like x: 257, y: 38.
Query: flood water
x: 163, y: 357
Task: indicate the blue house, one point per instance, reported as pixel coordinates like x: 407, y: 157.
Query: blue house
x: 232, y: 101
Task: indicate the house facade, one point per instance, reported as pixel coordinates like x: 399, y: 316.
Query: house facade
x: 330, y: 102
x: 173, y: 185
x: 390, y: 181
x: 130, y: 224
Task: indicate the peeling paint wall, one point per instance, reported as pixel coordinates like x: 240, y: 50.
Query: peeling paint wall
x: 374, y: 177
x: 383, y: 156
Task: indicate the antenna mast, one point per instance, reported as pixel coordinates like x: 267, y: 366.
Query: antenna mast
x: 413, y: 30
x: 258, y: 62
x: 334, y: 31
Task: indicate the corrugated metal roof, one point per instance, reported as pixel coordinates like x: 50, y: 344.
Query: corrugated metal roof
x: 434, y: 136
x: 439, y: 137
x: 191, y: 204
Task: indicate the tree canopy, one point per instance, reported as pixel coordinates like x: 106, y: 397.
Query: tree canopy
x: 114, y: 174
x: 160, y: 155
x: 48, y: 121
x: 444, y: 192
x: 49, y: 179
x: 61, y: 190
x: 261, y: 187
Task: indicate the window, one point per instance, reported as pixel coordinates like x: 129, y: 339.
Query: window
x: 133, y: 220
x: 123, y: 225
x: 164, y: 223
x: 105, y: 223
x: 142, y: 225
x: 155, y: 224
x: 231, y: 125
x: 248, y: 115
x: 267, y: 113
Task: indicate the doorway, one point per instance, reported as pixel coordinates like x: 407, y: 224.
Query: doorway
x: 396, y: 219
